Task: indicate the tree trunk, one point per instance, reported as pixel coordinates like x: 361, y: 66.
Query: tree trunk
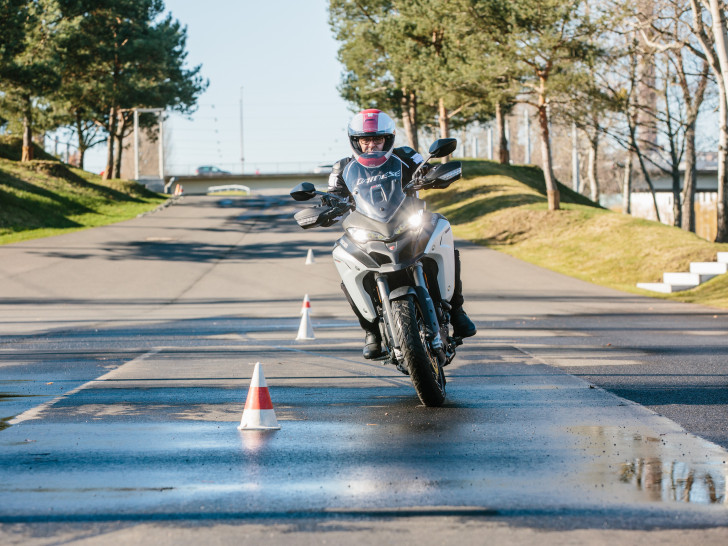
x: 676, y: 199
x: 646, y: 174
x: 717, y: 58
x: 121, y: 128
x: 117, y: 156
x: 444, y: 122
x: 552, y: 191
x: 592, y: 169
x: 409, y: 117
x: 81, y: 141
x: 504, y: 155
x: 632, y: 125
x: 108, y: 171
x: 627, y: 184
x: 722, y: 204
x: 693, y: 100
x: 674, y: 153
x: 27, y: 151
x: 689, y: 181
x: 719, y: 33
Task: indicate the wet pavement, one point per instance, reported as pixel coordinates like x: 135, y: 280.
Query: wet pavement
x: 120, y: 402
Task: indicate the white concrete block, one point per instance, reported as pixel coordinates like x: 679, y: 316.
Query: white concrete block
x: 655, y: 287
x: 709, y: 268
x: 723, y: 257
x: 681, y: 279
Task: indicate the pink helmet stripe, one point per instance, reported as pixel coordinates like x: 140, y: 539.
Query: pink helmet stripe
x: 371, y: 122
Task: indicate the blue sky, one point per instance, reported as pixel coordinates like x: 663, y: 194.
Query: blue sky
x: 282, y: 53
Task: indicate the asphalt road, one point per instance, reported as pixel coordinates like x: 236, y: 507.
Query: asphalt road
x: 577, y: 415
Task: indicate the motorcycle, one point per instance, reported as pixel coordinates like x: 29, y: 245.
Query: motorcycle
x: 397, y: 262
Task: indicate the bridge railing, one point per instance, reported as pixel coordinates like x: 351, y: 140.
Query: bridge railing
x: 228, y: 187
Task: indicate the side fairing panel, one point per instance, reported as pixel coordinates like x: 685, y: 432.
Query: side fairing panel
x: 352, y: 273
x: 441, y: 248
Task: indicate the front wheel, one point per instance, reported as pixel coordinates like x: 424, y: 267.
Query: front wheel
x: 425, y: 371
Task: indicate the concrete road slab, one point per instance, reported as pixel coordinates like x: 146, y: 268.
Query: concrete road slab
x: 126, y: 353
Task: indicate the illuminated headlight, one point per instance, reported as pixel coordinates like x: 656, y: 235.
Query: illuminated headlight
x: 363, y: 235
x: 413, y: 222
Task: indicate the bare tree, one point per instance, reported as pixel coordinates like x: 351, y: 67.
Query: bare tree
x: 667, y: 32
x: 706, y: 35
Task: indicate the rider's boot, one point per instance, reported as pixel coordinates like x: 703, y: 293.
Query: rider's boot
x: 461, y: 323
x: 372, y: 345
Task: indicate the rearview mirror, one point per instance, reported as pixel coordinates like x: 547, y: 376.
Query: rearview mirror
x: 443, y: 147
x: 303, y: 192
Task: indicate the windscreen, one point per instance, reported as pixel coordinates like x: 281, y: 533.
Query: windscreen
x: 377, y: 192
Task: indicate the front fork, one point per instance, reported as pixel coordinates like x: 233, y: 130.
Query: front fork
x: 388, y: 315
x: 432, y: 325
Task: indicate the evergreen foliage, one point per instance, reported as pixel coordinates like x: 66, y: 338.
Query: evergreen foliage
x: 88, y: 64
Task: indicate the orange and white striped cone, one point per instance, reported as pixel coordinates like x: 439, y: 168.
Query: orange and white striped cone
x: 258, y: 413
x: 305, y: 329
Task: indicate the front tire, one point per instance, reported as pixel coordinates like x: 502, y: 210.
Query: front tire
x: 425, y: 370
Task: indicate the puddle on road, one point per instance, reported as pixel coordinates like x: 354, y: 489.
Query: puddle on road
x: 664, y: 468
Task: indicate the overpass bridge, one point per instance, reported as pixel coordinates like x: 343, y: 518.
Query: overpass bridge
x: 200, y: 185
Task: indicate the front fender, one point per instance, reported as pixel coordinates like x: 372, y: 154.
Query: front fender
x: 401, y: 292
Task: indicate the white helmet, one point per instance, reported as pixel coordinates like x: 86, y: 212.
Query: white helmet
x: 368, y: 123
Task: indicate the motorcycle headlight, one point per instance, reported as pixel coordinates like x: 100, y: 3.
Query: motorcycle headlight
x: 413, y: 222
x: 364, y: 235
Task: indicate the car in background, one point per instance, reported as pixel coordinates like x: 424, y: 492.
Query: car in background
x: 209, y: 170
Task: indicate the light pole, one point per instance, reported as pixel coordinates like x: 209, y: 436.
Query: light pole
x: 242, y: 149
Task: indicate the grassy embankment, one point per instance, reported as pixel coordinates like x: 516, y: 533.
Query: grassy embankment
x: 504, y: 208
x: 46, y: 197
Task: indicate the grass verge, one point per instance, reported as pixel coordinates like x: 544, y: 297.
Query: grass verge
x: 504, y: 207
x: 45, y: 197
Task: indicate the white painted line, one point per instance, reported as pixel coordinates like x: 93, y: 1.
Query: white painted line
x: 34, y: 413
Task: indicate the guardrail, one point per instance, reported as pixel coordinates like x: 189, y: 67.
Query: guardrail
x: 228, y: 187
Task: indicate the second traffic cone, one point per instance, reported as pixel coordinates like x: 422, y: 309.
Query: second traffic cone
x: 309, y: 257
x: 258, y: 413
x: 305, y: 329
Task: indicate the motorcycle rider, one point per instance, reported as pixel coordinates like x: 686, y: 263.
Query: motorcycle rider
x: 371, y: 135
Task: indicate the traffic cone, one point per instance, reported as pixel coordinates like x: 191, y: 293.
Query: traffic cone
x: 258, y: 413
x: 305, y: 330
x: 309, y: 257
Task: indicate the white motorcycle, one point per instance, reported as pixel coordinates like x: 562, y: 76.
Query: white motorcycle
x: 397, y: 263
